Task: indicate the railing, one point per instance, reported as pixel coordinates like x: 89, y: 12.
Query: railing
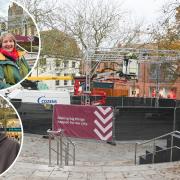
x: 172, y: 134
x: 31, y: 57
x: 142, y: 102
x: 61, y: 147
x: 25, y: 49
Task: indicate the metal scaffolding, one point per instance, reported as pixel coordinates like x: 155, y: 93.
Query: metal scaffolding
x: 143, y: 55
x: 151, y: 56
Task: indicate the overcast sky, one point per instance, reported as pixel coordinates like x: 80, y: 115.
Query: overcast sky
x: 4, y: 8
x: 146, y: 10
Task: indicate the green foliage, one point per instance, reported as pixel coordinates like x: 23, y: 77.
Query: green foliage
x: 131, y: 56
x: 7, y: 112
x: 42, y: 62
x: 55, y: 42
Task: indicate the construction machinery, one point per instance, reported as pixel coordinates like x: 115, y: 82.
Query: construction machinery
x: 103, y: 83
x: 124, y: 56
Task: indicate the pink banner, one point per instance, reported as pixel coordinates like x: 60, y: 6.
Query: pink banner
x: 92, y: 122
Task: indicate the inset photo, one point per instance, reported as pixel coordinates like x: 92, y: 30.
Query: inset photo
x: 11, y: 135
x: 19, y: 44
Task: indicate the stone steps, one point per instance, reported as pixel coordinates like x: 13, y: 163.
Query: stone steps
x: 78, y: 163
x: 136, y: 172
x: 94, y: 160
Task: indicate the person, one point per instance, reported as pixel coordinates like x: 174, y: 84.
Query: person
x: 13, y: 65
x: 8, y: 152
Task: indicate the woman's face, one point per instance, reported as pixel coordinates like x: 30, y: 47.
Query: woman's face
x: 8, y: 43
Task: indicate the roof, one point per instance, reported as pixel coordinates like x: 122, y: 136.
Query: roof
x: 20, y: 38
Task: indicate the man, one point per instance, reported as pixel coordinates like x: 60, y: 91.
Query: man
x: 8, y: 151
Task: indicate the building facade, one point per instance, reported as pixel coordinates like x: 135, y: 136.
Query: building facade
x: 145, y: 79
x: 55, y: 67
x: 19, y: 22
x: 152, y: 80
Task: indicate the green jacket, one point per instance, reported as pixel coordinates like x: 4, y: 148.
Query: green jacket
x: 12, y: 72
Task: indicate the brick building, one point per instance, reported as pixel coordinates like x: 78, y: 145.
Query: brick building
x: 152, y: 79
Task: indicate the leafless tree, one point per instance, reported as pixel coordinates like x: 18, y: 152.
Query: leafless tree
x: 169, y: 10
x: 169, y: 21
x: 165, y: 36
x: 92, y: 23
x: 41, y: 10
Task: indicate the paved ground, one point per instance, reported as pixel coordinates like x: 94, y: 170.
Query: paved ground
x: 94, y: 160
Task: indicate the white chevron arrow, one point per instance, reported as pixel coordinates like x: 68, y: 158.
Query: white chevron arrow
x: 102, y: 128
x: 104, y: 138
x: 104, y: 121
x: 104, y: 111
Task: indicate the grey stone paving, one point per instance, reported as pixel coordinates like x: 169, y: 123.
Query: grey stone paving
x: 165, y: 171
x: 95, y: 160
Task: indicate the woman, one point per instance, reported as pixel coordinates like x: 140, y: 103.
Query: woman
x: 13, y: 66
x: 8, y: 152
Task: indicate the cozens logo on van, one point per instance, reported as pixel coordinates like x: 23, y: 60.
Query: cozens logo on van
x: 44, y: 100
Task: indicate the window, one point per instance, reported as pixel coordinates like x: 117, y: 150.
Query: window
x: 106, y: 65
x: 153, y: 72
x: 73, y: 64
x: 65, y: 82
x: 26, y: 29
x: 57, y: 82
x: 66, y: 63
x: 58, y: 62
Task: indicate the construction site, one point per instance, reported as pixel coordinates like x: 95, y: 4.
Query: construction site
x: 111, y: 113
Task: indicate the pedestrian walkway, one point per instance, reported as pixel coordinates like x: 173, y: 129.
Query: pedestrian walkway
x: 164, y: 171
x: 94, y: 160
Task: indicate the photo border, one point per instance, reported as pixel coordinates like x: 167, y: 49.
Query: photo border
x: 22, y: 136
